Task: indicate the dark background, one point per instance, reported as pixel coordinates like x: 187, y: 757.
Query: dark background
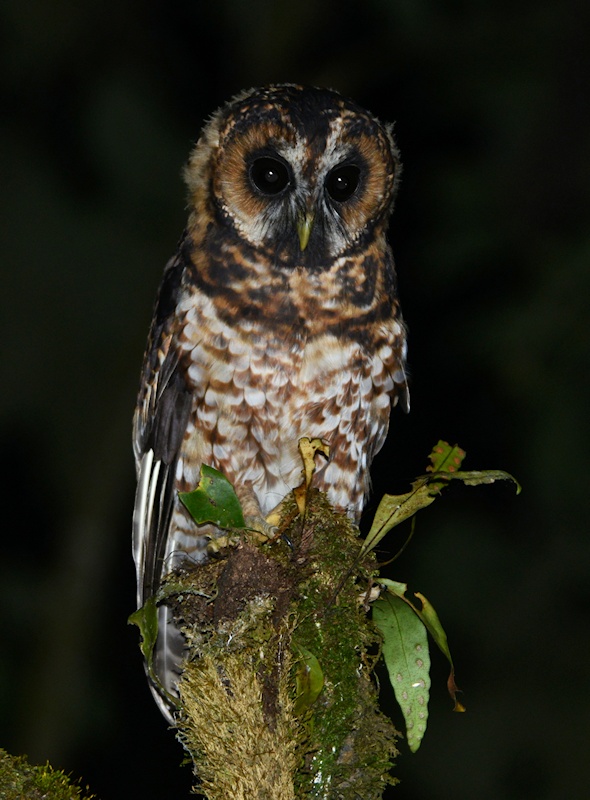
x: 101, y: 102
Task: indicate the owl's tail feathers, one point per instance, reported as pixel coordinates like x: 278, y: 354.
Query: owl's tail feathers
x: 169, y: 652
x: 151, y: 520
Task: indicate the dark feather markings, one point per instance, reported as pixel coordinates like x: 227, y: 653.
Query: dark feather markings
x: 170, y: 418
x: 163, y: 424
x: 154, y: 430
x: 157, y: 535
x: 171, y: 283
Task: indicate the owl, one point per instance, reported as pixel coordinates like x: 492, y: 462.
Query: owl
x: 277, y: 318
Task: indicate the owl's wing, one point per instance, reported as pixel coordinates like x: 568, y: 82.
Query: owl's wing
x: 158, y: 428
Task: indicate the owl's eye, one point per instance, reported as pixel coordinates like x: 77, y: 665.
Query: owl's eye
x: 342, y: 182
x: 269, y: 175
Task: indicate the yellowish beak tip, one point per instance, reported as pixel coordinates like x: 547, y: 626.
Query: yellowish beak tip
x: 304, y: 230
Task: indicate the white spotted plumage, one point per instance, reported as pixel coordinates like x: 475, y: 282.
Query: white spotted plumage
x: 277, y: 319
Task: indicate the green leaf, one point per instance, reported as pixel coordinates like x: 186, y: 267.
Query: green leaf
x: 445, y: 460
x: 405, y: 650
x: 214, y: 501
x: 394, y: 509
x: 432, y: 623
x: 473, y: 477
x: 430, y: 619
x: 146, y: 619
x: 309, y: 679
x: 445, y: 457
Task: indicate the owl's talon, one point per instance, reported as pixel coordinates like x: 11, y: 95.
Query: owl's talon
x: 287, y: 541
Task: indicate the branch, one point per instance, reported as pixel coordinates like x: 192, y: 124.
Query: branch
x: 277, y: 695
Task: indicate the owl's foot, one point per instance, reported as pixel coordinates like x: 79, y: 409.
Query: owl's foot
x: 260, y: 528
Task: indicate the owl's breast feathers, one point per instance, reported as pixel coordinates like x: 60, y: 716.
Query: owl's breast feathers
x: 265, y: 355
x: 223, y: 317
x: 347, y: 297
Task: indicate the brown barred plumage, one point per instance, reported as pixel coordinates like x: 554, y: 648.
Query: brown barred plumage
x: 277, y: 318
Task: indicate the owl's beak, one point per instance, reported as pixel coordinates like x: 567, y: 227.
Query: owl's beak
x: 304, y: 227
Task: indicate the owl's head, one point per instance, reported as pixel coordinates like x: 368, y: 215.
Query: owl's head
x: 299, y: 172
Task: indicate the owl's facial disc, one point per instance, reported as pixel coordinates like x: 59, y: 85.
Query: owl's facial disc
x: 303, y: 175
x: 285, y: 196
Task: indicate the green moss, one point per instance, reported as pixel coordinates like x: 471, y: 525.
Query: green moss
x: 255, y: 619
x: 19, y: 780
x: 351, y: 744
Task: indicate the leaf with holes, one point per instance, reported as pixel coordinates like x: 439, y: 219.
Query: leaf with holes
x: 445, y: 459
x: 406, y: 655
x: 432, y: 623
